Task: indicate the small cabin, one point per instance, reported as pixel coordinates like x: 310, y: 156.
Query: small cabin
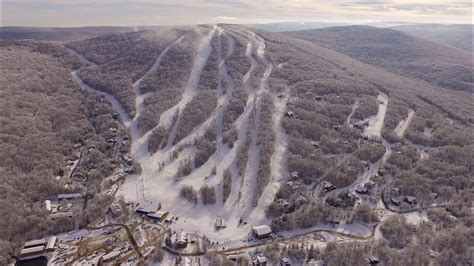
x: 362, y: 190
x: 366, y: 164
x: 69, y: 196
x: 373, y: 260
x: 128, y: 159
x: 285, y: 262
x: 290, y: 114
x: 295, y: 175
x: 283, y: 202
x: 259, y: 260
x: 328, y: 186
x: 315, y: 144
x: 395, y: 201
x: 129, y: 170
x: 220, y: 224
x: 410, y: 200
x: 60, y: 215
x: 114, y: 209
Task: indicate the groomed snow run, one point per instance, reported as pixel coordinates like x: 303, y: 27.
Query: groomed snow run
x: 403, y: 125
x: 376, y: 122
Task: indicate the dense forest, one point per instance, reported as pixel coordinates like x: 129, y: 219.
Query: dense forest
x: 38, y: 137
x: 399, y: 53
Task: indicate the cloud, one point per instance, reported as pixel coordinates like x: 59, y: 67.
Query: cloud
x: 225, y: 18
x: 153, y: 12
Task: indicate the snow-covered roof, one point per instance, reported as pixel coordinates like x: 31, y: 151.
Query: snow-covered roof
x: 61, y: 215
x: 28, y: 251
x: 35, y: 242
x: 410, y: 198
x: 294, y: 174
x: 69, y: 196
x: 262, y: 230
x: 51, y: 242
x: 158, y: 215
x: 148, y: 207
x: 361, y: 189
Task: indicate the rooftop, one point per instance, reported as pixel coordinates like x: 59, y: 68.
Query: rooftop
x: 36, y: 242
x: 262, y: 229
x: 28, y: 251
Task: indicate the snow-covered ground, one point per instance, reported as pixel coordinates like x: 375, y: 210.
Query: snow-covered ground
x: 159, y: 182
x: 403, y: 125
x: 354, y: 108
x: 278, y: 161
x: 376, y: 122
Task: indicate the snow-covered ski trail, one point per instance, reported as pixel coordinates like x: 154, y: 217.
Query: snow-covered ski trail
x: 253, y: 164
x: 278, y: 160
x: 376, y: 122
x: 354, y: 108
x: 203, y: 52
x: 224, y: 91
x: 139, y: 146
x: 403, y: 125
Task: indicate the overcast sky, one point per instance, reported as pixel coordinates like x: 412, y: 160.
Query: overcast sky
x: 172, y: 12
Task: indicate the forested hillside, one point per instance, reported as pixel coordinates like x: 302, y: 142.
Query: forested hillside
x: 45, y: 122
x: 459, y: 36
x: 399, y: 53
